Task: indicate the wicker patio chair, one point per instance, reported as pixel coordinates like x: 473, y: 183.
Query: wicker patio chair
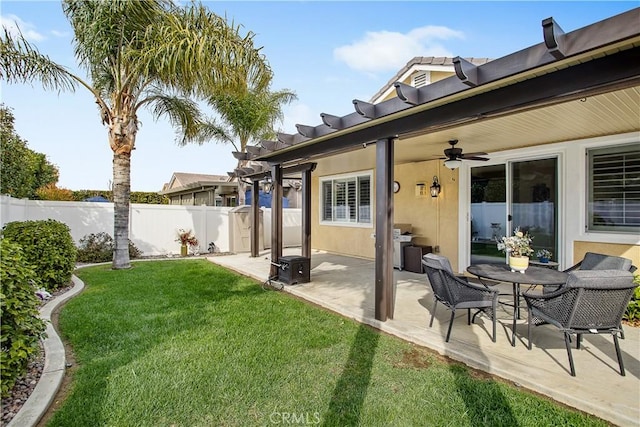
x: 591, y: 302
x: 456, y: 292
x: 595, y: 261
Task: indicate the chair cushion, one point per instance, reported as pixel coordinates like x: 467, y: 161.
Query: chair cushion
x: 600, y: 279
x: 594, y: 261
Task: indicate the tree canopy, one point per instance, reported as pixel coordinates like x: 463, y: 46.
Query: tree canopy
x: 23, y: 170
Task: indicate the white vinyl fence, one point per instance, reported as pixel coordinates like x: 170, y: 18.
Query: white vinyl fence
x: 152, y: 228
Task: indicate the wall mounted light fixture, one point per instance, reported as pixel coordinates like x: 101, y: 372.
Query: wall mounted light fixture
x: 435, y: 187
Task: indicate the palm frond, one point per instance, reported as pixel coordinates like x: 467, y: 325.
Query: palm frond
x: 107, y: 31
x: 196, y: 50
x: 22, y: 63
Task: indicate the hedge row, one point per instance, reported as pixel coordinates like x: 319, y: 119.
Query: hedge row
x: 21, y: 326
x: 35, y: 254
x: 48, y: 246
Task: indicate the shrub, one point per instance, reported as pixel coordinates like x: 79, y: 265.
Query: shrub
x: 21, y: 326
x: 632, y: 314
x: 47, y: 245
x: 98, y: 247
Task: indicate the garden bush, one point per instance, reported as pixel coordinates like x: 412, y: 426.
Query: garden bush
x: 21, y: 326
x: 98, y: 247
x: 48, y: 246
x: 632, y: 314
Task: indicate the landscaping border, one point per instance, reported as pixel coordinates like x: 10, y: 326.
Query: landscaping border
x: 54, y: 365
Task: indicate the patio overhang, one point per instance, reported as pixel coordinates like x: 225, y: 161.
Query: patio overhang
x: 598, y: 59
x: 600, y: 62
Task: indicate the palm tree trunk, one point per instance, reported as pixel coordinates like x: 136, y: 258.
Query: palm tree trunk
x: 121, y: 191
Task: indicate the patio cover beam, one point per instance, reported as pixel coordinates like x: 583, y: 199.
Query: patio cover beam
x: 584, y: 62
x: 618, y: 71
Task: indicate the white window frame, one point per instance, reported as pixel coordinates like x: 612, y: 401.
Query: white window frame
x: 597, y: 151
x: 346, y: 177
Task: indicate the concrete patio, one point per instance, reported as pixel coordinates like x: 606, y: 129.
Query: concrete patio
x: 346, y: 285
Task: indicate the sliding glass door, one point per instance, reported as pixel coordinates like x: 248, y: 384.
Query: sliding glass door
x: 518, y: 194
x: 534, y: 201
x: 488, y: 212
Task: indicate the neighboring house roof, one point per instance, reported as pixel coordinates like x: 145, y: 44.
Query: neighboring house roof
x: 421, y: 63
x: 96, y: 199
x: 182, y: 181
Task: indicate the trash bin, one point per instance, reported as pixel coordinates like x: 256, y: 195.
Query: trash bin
x: 413, y: 257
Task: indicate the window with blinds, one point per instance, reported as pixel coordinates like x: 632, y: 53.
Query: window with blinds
x: 614, y: 189
x: 346, y: 199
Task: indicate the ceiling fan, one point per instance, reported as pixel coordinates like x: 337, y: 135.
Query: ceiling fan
x: 454, y: 156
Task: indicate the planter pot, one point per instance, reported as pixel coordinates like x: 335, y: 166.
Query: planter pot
x: 183, y: 250
x: 543, y: 260
x: 519, y: 263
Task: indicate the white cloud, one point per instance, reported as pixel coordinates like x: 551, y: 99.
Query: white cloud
x: 299, y: 114
x: 59, y: 33
x: 389, y: 51
x: 13, y: 22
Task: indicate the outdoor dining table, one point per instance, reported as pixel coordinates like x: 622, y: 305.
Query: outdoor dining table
x: 531, y: 276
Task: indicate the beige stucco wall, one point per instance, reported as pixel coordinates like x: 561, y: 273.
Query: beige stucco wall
x: 344, y: 240
x: 434, y: 221
x: 627, y: 251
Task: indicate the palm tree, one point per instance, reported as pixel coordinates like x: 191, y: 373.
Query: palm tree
x: 247, y: 117
x: 147, y: 53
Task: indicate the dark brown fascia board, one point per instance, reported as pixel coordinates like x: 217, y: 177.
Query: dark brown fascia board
x: 619, y: 31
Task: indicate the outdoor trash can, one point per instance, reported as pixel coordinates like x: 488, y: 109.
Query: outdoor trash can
x: 413, y: 257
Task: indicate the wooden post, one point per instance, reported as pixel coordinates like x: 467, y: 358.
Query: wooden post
x: 276, y: 218
x: 384, y: 303
x: 255, y: 218
x: 306, y: 213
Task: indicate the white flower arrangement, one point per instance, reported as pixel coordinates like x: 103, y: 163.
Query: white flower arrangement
x: 517, y: 245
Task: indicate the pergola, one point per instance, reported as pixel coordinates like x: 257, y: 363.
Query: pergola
x: 600, y: 59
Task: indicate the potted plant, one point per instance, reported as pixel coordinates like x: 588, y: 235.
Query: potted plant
x: 518, y: 247
x: 544, y: 255
x: 186, y: 238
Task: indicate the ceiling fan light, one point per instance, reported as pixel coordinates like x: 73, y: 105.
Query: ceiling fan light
x: 453, y: 163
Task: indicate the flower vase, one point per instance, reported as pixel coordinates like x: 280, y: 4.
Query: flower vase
x: 543, y: 260
x: 183, y: 250
x: 518, y: 263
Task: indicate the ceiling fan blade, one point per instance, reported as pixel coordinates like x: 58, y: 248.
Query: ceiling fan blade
x: 484, y: 159
x: 466, y: 155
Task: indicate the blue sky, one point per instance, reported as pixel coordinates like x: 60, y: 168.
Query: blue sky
x: 328, y: 53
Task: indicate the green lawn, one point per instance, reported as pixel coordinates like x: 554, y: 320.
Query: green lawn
x: 187, y: 343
